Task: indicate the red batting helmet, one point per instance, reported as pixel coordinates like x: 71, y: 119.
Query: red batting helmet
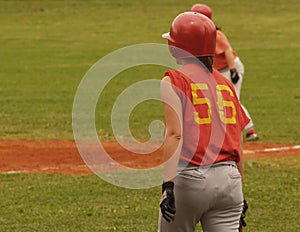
x: 202, y: 9
x: 193, y: 33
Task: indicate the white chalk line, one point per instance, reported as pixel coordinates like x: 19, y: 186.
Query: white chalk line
x: 40, y: 169
x: 274, y: 149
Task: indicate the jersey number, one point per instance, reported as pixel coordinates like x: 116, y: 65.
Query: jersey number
x: 220, y: 101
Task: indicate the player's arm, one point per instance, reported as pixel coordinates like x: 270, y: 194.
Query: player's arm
x: 223, y: 46
x: 172, y: 147
x: 230, y: 61
x: 229, y: 58
x: 173, y: 130
x: 240, y: 165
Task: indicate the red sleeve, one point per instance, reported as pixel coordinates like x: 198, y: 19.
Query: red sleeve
x: 244, y: 120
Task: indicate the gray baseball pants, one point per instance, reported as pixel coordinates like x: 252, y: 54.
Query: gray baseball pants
x: 212, y: 196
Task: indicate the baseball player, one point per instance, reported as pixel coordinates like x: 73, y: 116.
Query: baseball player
x: 227, y: 62
x: 204, y: 120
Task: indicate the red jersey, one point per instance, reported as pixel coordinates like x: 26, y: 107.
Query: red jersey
x: 222, y: 44
x: 213, y: 118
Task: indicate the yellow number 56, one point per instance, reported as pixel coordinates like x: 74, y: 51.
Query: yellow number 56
x: 220, y: 101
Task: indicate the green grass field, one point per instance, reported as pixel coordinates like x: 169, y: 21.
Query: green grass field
x: 85, y: 203
x: 48, y: 46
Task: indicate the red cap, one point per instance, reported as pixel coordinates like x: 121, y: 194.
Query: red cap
x: 191, y: 34
x: 202, y: 9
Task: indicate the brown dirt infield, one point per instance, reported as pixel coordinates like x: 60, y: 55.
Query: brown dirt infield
x: 58, y: 156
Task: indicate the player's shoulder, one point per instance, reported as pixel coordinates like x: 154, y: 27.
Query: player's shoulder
x: 172, y: 74
x: 220, y: 33
x: 166, y: 78
x: 221, y: 37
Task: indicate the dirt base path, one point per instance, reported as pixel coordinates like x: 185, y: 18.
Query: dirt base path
x: 57, y: 156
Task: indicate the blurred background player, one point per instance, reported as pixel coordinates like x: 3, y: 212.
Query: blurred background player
x: 203, y: 161
x: 227, y: 62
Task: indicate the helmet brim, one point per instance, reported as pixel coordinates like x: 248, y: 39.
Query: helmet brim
x: 166, y: 36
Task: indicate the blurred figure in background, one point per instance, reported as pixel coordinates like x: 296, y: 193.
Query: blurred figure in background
x: 227, y: 62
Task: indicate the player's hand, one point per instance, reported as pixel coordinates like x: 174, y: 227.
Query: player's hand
x: 234, y: 76
x: 167, y: 204
x: 245, y: 208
